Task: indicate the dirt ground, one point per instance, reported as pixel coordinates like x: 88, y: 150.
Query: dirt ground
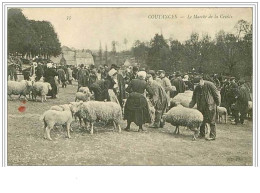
x: 26, y: 145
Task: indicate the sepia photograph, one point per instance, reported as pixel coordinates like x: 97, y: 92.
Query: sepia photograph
x: 129, y: 86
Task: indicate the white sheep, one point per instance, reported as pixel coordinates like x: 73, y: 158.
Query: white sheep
x: 182, y: 116
x: 104, y: 111
x: 250, y: 109
x: 53, y: 118
x: 82, y: 96
x: 21, y: 88
x: 40, y: 89
x: 84, y: 89
x: 183, y: 98
x: 221, y: 111
x: 60, y: 107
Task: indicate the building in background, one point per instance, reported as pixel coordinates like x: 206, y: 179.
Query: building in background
x: 74, y: 57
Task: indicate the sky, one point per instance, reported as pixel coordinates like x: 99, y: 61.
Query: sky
x: 88, y: 27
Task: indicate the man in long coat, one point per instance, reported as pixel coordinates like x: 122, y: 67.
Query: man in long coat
x: 207, y: 99
x: 83, y: 76
x: 158, y: 98
x: 179, y: 83
x: 241, y: 105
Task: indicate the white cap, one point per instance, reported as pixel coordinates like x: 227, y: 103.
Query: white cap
x: 141, y: 74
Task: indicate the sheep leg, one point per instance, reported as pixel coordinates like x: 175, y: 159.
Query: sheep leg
x: 92, y: 127
x: 42, y: 99
x: 225, y: 117
x: 45, y: 98
x: 119, y: 128
x: 85, y: 122
x: 176, y: 129
x: 48, y: 129
x: 68, y: 130
x: 75, y: 99
x: 196, y: 134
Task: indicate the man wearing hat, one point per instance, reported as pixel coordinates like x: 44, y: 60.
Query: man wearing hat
x: 241, y: 105
x: 83, y: 76
x: 166, y: 84
x: 231, y: 95
x: 179, y: 83
x: 207, y: 99
x: 158, y: 98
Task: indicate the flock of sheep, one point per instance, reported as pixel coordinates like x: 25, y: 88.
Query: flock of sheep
x: 86, y: 109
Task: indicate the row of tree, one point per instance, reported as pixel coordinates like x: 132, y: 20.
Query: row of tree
x: 29, y: 37
x: 227, y: 53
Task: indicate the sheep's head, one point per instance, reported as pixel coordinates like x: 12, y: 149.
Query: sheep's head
x: 76, y: 106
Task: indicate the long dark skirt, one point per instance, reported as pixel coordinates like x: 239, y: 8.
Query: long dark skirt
x: 136, y: 109
x: 53, y: 92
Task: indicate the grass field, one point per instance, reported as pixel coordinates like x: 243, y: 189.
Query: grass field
x: 26, y: 145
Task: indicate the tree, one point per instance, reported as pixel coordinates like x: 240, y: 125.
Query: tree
x: 242, y: 27
x: 125, y: 42
x: 177, y: 54
x: 19, y: 32
x: 228, y: 51
x: 29, y: 37
x: 192, y: 52
x: 100, y: 53
x: 140, y: 52
x: 114, y: 47
x: 106, y: 55
x: 159, y: 54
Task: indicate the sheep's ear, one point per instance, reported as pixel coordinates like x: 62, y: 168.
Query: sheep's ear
x: 80, y: 102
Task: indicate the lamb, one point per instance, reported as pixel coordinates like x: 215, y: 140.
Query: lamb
x: 40, y: 89
x: 84, y: 90
x: 53, y: 118
x: 23, y: 87
x: 221, y: 111
x: 182, y: 116
x: 103, y: 111
x: 82, y: 96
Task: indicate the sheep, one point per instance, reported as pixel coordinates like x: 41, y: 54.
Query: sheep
x: 82, y: 96
x: 40, y: 89
x: 183, y: 98
x: 60, y: 107
x: 84, y: 90
x: 250, y: 109
x: 97, y: 110
x: 53, y: 118
x: 220, y: 112
x: 182, y: 116
x: 23, y: 87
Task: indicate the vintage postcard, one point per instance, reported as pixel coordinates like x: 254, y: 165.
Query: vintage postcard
x: 129, y: 86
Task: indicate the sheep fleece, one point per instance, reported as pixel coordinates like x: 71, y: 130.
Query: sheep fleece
x: 183, y: 116
x: 104, y: 111
x: 17, y: 88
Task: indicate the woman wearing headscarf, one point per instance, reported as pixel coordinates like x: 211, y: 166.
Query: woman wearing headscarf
x: 49, y: 75
x: 136, y: 107
x: 111, y: 86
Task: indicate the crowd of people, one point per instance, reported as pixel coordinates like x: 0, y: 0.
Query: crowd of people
x: 131, y: 86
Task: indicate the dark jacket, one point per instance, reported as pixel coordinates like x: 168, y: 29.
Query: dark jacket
x: 207, y: 100
x: 179, y: 84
